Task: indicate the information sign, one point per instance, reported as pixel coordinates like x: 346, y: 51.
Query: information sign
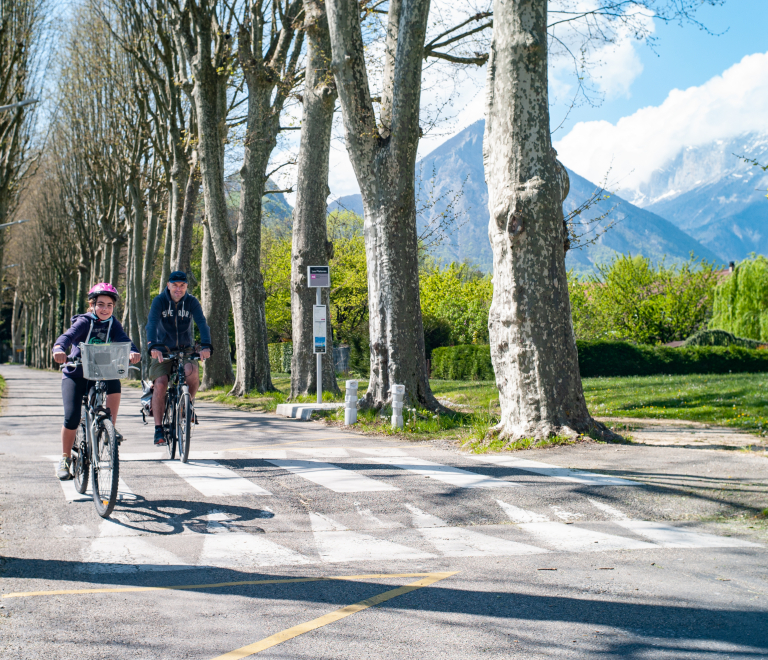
x: 318, y: 277
x: 320, y: 328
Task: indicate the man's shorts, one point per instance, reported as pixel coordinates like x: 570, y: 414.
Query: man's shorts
x: 164, y: 368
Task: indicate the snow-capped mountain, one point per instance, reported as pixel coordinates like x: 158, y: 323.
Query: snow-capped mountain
x: 713, y: 194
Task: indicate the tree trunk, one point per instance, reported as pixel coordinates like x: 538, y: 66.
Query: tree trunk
x: 184, y: 247
x: 16, y: 323
x: 216, y: 305
x: 165, y: 271
x: 533, y: 347
x: 384, y: 159
x: 310, y: 238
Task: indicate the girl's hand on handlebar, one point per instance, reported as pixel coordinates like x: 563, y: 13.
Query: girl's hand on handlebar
x: 135, y: 357
x: 59, y: 356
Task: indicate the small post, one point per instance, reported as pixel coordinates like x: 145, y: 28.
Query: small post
x: 319, y: 277
x: 350, y: 403
x: 398, y: 394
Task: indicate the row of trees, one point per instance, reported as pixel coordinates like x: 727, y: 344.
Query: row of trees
x: 155, y: 99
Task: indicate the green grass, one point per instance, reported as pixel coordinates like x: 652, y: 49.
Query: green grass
x: 2, y: 386
x: 735, y: 400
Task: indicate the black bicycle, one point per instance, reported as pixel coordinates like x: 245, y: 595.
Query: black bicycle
x: 96, y: 450
x: 179, y: 413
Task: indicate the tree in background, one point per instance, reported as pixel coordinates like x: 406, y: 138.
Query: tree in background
x: 741, y: 300
x: 634, y: 300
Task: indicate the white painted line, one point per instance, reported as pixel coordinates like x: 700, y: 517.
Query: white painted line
x: 374, y: 522
x: 142, y: 456
x: 380, y: 451
x: 518, y: 515
x: 120, y: 549
x: 226, y: 548
x: 668, y: 536
x: 321, y: 452
x: 214, y: 480
x: 220, y: 455
x: 570, y: 538
x: 612, y: 512
x: 336, y: 543
x: 332, y: 476
x: 124, y: 493
x: 445, y: 473
x: 460, y: 542
x: 548, y: 470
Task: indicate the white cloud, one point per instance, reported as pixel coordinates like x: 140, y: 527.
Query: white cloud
x: 725, y: 106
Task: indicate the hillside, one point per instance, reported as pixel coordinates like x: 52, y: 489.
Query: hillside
x: 455, y: 170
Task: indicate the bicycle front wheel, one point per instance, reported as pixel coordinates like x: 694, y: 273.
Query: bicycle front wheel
x: 81, y: 467
x: 184, y: 426
x: 104, y: 478
x: 169, y: 428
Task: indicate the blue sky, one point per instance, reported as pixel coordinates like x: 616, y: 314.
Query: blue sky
x: 687, y: 56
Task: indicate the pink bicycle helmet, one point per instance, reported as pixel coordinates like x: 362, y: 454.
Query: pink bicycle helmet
x: 103, y: 289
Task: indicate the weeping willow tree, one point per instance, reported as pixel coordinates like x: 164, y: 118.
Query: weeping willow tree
x: 741, y: 301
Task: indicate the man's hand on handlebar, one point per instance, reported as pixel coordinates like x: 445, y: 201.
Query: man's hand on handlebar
x: 157, y: 355
x: 135, y: 357
x: 59, y: 356
x: 205, y: 353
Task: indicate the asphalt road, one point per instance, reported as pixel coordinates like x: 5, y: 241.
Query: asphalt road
x: 276, y: 527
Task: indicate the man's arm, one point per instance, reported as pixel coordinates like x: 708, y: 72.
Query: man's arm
x: 153, y: 320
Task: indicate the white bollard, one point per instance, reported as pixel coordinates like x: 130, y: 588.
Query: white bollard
x: 398, y: 394
x: 350, y: 403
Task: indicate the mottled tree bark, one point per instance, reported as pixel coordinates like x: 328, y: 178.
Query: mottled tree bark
x: 384, y: 159
x: 216, y: 305
x: 310, y: 239
x: 533, y: 346
x: 186, y: 226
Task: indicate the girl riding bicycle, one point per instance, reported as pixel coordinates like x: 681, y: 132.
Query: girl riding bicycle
x: 98, y: 326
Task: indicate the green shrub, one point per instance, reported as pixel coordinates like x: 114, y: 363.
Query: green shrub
x: 280, y: 357
x: 612, y: 358
x: 467, y: 362
x: 741, y: 300
x: 618, y: 358
x: 720, y: 338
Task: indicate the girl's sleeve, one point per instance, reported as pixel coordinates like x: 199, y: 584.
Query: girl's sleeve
x: 74, y: 335
x: 118, y: 335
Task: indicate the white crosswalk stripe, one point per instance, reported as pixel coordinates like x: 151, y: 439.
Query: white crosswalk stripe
x: 459, y: 542
x: 547, y: 470
x: 336, y: 543
x: 322, y: 452
x: 225, y: 548
x: 214, y: 480
x: 121, y: 549
x: 668, y: 536
x: 124, y: 493
x: 445, y: 473
x: 332, y: 476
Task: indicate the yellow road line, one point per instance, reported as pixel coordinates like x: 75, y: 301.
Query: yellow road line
x: 290, y: 633
x: 187, y: 587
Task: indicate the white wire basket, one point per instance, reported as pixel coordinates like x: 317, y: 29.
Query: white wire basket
x: 105, y: 361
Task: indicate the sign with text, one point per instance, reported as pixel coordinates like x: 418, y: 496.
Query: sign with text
x: 318, y: 276
x: 319, y: 328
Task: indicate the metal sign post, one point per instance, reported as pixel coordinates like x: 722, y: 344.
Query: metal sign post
x: 319, y: 277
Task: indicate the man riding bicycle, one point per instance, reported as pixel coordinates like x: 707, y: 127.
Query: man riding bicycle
x: 170, y: 325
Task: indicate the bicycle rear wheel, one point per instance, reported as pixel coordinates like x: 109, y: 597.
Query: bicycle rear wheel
x: 104, y: 478
x: 80, y: 463
x: 169, y: 427
x: 184, y: 426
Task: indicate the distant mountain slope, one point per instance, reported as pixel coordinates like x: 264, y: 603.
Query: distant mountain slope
x: 455, y: 170
x: 715, y: 196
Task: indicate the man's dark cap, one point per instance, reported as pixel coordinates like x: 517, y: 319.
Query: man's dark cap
x: 178, y: 276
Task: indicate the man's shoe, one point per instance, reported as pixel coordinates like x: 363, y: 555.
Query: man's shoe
x: 62, y: 472
x: 119, y: 437
x: 159, y: 437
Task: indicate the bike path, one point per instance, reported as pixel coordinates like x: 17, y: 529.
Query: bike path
x: 290, y: 539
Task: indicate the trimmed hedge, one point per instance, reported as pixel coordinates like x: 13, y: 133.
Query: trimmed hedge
x: 612, y: 358
x: 280, y: 357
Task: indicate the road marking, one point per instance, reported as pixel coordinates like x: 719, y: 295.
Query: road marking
x: 570, y: 538
x: 377, y: 523
x: 668, y: 536
x: 119, y: 549
x: 518, y: 515
x: 459, y: 542
x: 226, y: 548
x: 332, y: 476
x: 124, y: 493
x: 290, y: 633
x: 548, y: 470
x: 214, y: 480
x: 321, y: 452
x: 336, y: 543
x: 214, y: 585
x: 614, y: 513
x: 380, y: 451
x: 445, y: 473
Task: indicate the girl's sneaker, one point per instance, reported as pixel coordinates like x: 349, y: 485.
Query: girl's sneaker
x: 62, y: 472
